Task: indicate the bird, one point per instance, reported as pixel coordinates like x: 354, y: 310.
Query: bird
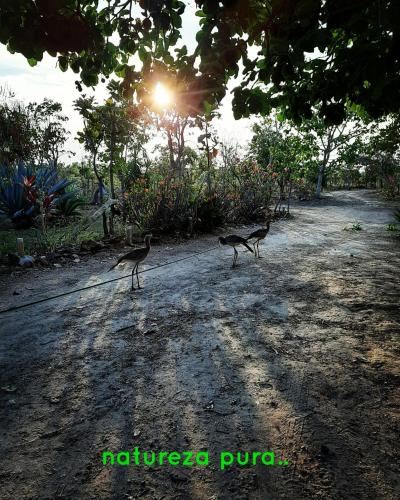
x: 257, y: 236
x: 136, y: 257
x: 233, y: 241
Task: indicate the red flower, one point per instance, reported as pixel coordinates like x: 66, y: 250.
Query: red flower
x: 47, y: 200
x: 29, y: 181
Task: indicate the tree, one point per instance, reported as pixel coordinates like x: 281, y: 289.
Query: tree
x: 92, y: 137
x: 208, y: 142
x: 16, y: 133
x: 382, y: 154
x: 49, y: 131
x: 106, y: 133
x: 117, y: 126
x: 310, y: 52
x: 32, y: 133
x: 174, y: 125
x: 329, y: 138
x: 281, y: 151
x: 348, y: 164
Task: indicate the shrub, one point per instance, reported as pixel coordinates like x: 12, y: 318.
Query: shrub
x: 209, y: 214
x: 164, y: 201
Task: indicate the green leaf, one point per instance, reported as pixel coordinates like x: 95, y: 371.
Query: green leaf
x: 120, y: 71
x: 168, y: 59
x: 199, y: 36
x: 32, y: 61
x: 63, y: 63
x: 177, y: 20
x: 208, y: 109
x: 142, y: 54
x: 261, y: 64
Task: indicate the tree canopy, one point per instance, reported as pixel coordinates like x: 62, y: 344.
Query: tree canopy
x: 307, y: 52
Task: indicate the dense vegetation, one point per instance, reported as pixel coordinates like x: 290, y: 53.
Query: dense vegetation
x: 327, y: 116
x: 178, y: 189
x: 354, y: 47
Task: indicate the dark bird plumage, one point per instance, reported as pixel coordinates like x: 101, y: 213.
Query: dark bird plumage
x: 136, y: 257
x: 233, y: 241
x: 257, y: 236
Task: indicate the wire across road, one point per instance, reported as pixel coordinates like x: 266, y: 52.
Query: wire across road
x: 88, y: 287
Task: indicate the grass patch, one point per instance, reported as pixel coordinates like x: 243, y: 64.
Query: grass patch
x: 392, y: 227
x: 37, y: 242
x: 354, y: 227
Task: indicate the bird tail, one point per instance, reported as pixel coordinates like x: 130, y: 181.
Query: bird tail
x: 115, y: 265
x: 247, y: 246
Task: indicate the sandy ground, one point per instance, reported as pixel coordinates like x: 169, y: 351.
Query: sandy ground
x: 296, y: 352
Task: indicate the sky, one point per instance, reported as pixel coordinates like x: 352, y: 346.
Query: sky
x: 33, y: 84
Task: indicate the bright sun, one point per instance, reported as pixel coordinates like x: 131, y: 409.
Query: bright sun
x: 162, y: 95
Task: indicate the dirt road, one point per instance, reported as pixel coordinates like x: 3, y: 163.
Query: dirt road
x: 296, y: 352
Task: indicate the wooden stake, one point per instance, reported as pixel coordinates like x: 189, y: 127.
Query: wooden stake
x: 20, y: 247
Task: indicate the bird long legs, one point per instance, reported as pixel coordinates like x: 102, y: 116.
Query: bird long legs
x: 235, y: 256
x: 136, y: 267
x: 133, y: 270
x: 256, y: 249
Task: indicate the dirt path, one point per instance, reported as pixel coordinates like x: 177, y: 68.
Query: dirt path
x: 297, y: 352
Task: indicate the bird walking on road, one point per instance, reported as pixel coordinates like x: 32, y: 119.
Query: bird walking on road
x: 136, y: 257
x: 233, y: 241
x: 257, y: 236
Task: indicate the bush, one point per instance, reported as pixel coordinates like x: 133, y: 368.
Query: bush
x: 164, y: 203
x: 209, y: 214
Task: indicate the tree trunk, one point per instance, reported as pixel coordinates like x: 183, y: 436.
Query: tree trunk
x: 321, y: 172
x: 289, y: 197
x: 124, y: 209
x: 100, y: 182
x: 111, y: 173
x: 209, y: 187
x: 171, y: 152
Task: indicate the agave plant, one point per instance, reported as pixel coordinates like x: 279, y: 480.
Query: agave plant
x: 13, y: 201
x: 68, y: 204
x: 22, y: 191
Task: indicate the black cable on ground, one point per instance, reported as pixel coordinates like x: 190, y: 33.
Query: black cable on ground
x: 46, y: 299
